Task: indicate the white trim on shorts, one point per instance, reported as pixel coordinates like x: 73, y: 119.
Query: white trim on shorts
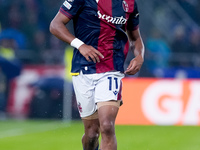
x: 93, y: 88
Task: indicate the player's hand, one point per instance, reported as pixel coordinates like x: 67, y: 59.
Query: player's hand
x: 135, y: 65
x: 90, y: 53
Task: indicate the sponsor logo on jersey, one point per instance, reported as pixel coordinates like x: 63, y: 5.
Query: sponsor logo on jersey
x: 67, y: 5
x: 114, y: 20
x: 125, y: 6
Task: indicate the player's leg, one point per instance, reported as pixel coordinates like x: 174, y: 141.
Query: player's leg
x: 108, y: 98
x: 90, y: 139
x: 107, y: 112
x: 84, y: 90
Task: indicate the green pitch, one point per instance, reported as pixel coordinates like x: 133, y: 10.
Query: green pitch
x: 58, y: 135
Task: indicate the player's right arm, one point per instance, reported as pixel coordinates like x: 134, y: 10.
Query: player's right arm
x: 58, y: 28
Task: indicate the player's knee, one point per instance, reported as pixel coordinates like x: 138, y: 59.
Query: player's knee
x: 92, y: 135
x: 107, y: 127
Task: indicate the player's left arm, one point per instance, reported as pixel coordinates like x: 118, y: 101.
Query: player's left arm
x: 137, y: 46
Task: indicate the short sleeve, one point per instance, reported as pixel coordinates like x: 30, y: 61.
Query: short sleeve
x: 133, y: 21
x: 70, y: 8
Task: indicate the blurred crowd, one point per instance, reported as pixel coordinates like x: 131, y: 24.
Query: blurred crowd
x: 26, y: 24
x: 192, y: 8
x: 171, y: 32
x: 186, y: 38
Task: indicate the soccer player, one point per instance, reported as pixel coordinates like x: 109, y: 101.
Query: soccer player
x: 101, y: 45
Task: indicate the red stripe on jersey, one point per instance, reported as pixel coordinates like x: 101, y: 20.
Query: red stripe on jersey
x: 119, y: 96
x: 106, y: 37
x: 66, y: 13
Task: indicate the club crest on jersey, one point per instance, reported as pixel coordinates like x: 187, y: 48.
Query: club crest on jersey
x: 115, y: 92
x: 125, y: 6
x: 67, y: 4
x: 79, y: 107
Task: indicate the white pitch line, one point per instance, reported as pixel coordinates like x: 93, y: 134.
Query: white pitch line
x: 35, y: 129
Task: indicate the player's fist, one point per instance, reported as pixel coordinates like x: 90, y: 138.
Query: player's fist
x: 135, y: 65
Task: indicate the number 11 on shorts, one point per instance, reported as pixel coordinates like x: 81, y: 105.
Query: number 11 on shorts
x: 111, y: 80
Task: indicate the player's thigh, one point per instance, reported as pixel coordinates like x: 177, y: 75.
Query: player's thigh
x: 107, y: 112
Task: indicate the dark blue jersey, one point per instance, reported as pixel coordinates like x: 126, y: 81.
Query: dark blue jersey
x: 102, y: 24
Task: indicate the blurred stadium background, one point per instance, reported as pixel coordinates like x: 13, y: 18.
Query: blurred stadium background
x: 37, y: 102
